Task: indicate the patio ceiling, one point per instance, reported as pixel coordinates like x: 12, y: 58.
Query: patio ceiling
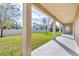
x: 64, y: 13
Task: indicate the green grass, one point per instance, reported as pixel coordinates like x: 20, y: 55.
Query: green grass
x: 12, y: 45
x: 39, y: 39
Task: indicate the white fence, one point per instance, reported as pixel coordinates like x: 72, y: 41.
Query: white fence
x: 9, y: 32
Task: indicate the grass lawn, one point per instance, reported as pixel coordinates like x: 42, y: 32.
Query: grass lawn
x: 12, y: 45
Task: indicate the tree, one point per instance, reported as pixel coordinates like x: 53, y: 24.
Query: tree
x: 8, y: 13
x: 46, y: 22
x: 51, y: 27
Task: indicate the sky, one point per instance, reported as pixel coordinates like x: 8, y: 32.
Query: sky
x: 20, y: 21
x: 36, y: 16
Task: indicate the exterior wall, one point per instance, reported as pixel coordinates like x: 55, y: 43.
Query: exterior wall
x: 76, y: 28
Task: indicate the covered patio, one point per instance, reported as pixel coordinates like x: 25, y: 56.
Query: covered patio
x: 67, y: 15
x: 62, y: 46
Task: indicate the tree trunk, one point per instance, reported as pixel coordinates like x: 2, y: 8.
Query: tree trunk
x: 1, y: 32
x: 46, y: 29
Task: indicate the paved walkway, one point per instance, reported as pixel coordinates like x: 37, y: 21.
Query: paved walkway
x: 68, y: 36
x: 62, y: 46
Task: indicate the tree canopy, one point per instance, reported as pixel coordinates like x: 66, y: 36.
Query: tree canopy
x: 9, y: 13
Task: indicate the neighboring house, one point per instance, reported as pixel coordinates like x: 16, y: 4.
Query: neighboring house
x: 37, y: 27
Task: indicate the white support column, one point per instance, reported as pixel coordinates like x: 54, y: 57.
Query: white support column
x: 63, y: 29
x: 60, y: 29
x: 26, y: 29
x: 54, y: 29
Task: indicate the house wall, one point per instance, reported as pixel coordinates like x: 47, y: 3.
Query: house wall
x: 76, y: 28
x: 67, y: 29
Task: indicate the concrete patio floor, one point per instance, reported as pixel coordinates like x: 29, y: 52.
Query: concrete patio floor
x: 62, y: 46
